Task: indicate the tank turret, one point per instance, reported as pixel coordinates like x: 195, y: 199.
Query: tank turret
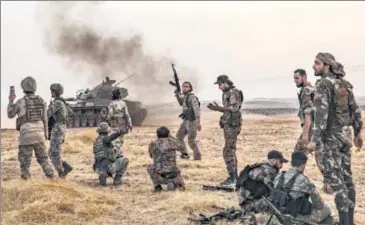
x: 90, y: 106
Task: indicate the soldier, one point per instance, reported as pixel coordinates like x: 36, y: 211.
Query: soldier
x: 257, y: 180
x: 191, y: 118
x: 230, y: 121
x: 109, y: 159
x: 163, y: 170
x: 32, y: 124
x: 118, y: 115
x: 335, y: 110
x: 57, y: 113
x: 306, y: 203
x: 306, y: 114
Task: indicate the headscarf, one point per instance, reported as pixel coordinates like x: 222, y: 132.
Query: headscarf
x: 336, y: 67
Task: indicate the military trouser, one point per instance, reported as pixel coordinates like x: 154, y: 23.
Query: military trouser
x: 250, y: 205
x: 317, y: 155
x: 337, y: 169
x: 158, y: 178
x: 229, y: 150
x: 25, y: 158
x: 317, y: 215
x: 117, y: 167
x: 55, y: 147
x: 189, y: 128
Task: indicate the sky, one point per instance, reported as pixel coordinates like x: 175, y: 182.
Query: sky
x: 251, y: 42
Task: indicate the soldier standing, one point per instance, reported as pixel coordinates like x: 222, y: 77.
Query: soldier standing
x: 335, y: 110
x: 256, y: 180
x: 57, y: 113
x: 33, y: 128
x: 308, y: 205
x: 230, y: 122
x: 118, y: 116
x: 163, y: 170
x: 109, y: 159
x: 306, y: 114
x: 191, y: 118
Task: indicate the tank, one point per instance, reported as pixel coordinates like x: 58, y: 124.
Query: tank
x: 90, y: 107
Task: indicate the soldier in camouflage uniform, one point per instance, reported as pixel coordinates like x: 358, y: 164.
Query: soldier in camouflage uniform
x: 163, y: 170
x: 336, y: 110
x: 58, y: 112
x: 263, y: 175
x: 191, y: 118
x: 303, y: 192
x: 109, y: 159
x: 118, y: 116
x: 230, y: 121
x: 33, y: 128
x: 306, y: 114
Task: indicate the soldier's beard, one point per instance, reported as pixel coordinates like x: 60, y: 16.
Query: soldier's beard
x: 300, y: 85
x: 319, y: 73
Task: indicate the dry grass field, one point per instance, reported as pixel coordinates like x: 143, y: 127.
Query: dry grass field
x: 79, y: 199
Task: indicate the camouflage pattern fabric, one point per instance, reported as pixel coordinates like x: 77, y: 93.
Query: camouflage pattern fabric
x: 55, y: 147
x: 118, y: 167
x: 264, y: 173
x: 164, y: 178
x: 302, y: 186
x: 337, y: 146
x: 189, y: 128
x: 25, y: 159
x: 118, y: 116
x: 163, y: 153
x: 229, y: 150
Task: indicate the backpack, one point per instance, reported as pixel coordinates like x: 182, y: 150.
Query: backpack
x: 256, y: 188
x: 280, y: 198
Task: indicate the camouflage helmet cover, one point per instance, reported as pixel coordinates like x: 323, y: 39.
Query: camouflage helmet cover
x: 221, y: 79
x: 103, y: 128
x: 29, y: 84
x: 57, y: 88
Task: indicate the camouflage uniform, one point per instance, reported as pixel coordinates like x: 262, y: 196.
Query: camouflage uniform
x: 303, y: 187
x: 191, y: 117
x: 305, y: 97
x: 58, y: 112
x: 118, y: 117
x: 109, y: 159
x: 163, y: 170
x: 266, y: 173
x: 335, y: 111
x: 32, y: 125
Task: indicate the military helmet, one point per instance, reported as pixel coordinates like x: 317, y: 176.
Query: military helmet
x: 29, y: 84
x: 116, y: 91
x: 103, y: 128
x: 221, y: 79
x: 57, y: 88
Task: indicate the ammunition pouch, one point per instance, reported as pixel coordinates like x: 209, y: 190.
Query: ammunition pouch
x: 188, y: 115
x: 221, y: 124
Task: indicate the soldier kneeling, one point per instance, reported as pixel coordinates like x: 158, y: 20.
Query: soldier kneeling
x: 163, y: 170
x: 256, y: 180
x: 109, y: 159
x: 294, y: 194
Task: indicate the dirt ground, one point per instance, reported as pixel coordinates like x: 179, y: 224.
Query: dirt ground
x: 80, y: 200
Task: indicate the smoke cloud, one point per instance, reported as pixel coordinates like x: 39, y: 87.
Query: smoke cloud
x: 90, y: 50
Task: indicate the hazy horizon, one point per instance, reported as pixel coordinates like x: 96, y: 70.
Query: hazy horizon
x: 257, y: 44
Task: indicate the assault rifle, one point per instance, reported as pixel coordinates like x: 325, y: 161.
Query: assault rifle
x: 230, y: 214
x: 176, y: 79
x: 218, y: 188
x: 51, y: 122
x: 285, y: 219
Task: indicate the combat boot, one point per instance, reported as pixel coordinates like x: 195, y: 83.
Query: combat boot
x: 351, y: 216
x: 170, y: 186
x: 197, y: 156
x: 185, y: 156
x: 343, y: 218
x: 158, y: 188
x: 66, y: 169
x: 102, y: 180
x: 231, y: 180
x: 117, y: 179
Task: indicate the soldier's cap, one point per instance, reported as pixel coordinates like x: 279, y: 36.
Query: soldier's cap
x: 221, y: 79
x: 274, y: 154
x: 103, y: 128
x: 299, y: 158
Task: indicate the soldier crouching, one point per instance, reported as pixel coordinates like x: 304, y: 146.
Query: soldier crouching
x: 109, y: 159
x: 163, y: 170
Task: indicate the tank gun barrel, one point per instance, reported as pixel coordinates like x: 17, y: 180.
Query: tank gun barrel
x: 124, y: 80
x: 70, y: 99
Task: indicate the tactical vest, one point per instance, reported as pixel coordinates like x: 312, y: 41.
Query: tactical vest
x: 282, y: 200
x: 102, y: 150
x: 34, y: 110
x: 301, y: 112
x: 189, y: 113
x: 339, y: 112
x: 256, y: 188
